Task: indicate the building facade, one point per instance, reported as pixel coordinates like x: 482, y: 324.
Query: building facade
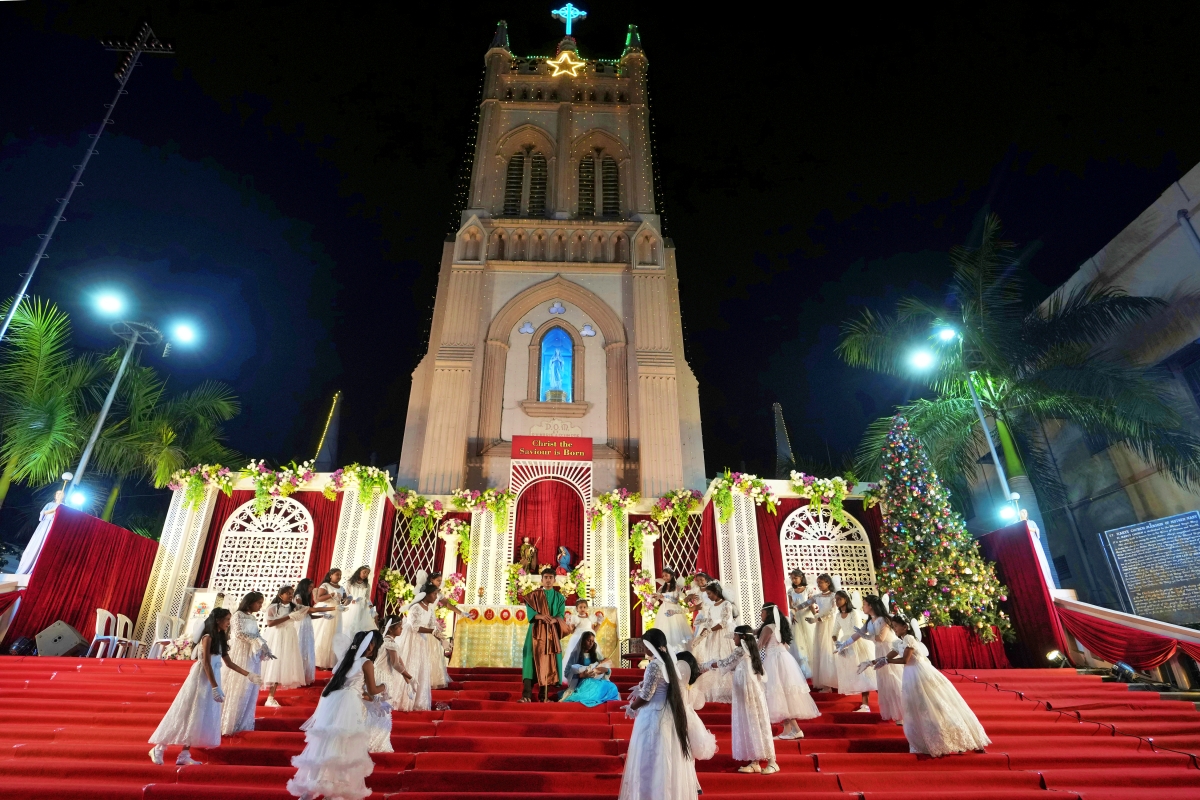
x: 557, y: 308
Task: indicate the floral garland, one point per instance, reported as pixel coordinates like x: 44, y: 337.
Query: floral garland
x: 746, y: 484
x: 579, y: 577
x: 521, y: 583
x: 454, y: 589
x: 646, y: 590
x: 179, y: 650
x: 618, y: 503
x: 399, y: 591
x: 371, y: 482
x: 462, y: 529
x: 270, y: 484
x: 494, y: 500
x: 421, y: 512
x: 676, y: 504
x: 195, y: 482
x: 824, y: 490
x: 637, y: 538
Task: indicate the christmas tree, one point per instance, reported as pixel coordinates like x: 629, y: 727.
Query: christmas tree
x: 930, y: 564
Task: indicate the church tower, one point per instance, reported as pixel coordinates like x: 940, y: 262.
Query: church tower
x: 557, y: 309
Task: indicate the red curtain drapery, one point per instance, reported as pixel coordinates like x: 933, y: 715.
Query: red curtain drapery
x: 222, y: 510
x: 383, y: 554
x: 1029, y: 604
x: 1114, y: 642
x: 86, y: 564
x: 1193, y: 650
x: 770, y: 552
x: 708, y: 559
x: 955, y: 647
x: 8, y: 598
x: 550, y: 513
x: 325, y: 514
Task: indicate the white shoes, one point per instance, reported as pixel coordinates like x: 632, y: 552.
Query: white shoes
x: 753, y: 767
x: 272, y: 703
x: 770, y: 769
x: 863, y: 709
x: 156, y: 754
x: 185, y: 760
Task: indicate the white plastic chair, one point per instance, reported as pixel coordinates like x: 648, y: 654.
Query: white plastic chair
x: 176, y: 628
x: 163, y: 630
x: 103, y: 641
x: 125, y: 644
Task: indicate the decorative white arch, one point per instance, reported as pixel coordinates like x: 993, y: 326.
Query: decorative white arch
x: 812, y: 541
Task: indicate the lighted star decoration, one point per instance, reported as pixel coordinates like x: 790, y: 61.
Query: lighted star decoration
x: 566, y: 64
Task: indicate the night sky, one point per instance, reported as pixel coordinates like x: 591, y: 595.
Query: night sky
x: 287, y: 181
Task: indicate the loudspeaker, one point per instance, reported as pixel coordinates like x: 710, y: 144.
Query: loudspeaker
x: 60, y: 639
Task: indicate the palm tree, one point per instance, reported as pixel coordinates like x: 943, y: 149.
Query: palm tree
x: 1032, y: 365
x: 42, y: 394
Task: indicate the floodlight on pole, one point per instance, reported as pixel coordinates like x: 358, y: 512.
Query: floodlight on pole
x: 76, y: 498
x: 947, y: 334
x: 110, y: 303
x: 921, y: 359
x: 184, y: 333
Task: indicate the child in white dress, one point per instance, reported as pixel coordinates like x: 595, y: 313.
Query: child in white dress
x: 852, y: 653
x: 336, y: 759
x: 800, y: 611
x: 788, y: 699
x: 670, y: 618
x: 327, y: 626
x: 305, y: 634
x: 717, y: 686
x: 194, y: 718
x: 937, y: 721
x: 888, y: 677
x: 701, y: 741
x: 389, y: 667
x: 659, y: 763
x: 360, y: 614
x: 439, y: 676
x: 751, y: 720
x: 287, y: 668
x: 820, y: 658
x: 249, y: 648
x: 415, y: 652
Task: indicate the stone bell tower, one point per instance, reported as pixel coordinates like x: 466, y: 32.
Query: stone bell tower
x: 557, y: 307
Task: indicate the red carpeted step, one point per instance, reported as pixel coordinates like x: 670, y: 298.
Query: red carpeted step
x: 976, y: 793
x: 421, y: 795
x: 900, y: 762
x: 942, y: 780
x: 528, y: 761
x: 525, y: 744
x: 532, y: 783
x: 566, y: 730
x: 1128, y: 793
x: 94, y: 789
x: 1079, y: 779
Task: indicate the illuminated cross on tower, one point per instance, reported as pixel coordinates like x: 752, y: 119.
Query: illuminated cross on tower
x: 568, y: 14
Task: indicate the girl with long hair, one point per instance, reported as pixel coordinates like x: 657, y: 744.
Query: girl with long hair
x: 305, y: 633
x: 389, y: 667
x: 751, y: 720
x: 851, y: 652
x: 415, y: 649
x: 360, y: 615
x: 718, y: 644
x: 670, y: 618
x: 937, y: 721
x: 287, y: 668
x: 788, y: 700
x: 588, y: 677
x: 659, y: 763
x: 336, y: 759
x: 194, y: 718
x: 889, y: 678
x: 800, y: 611
x: 701, y: 741
x: 249, y: 648
x: 439, y: 675
x: 821, y: 658
x: 327, y: 626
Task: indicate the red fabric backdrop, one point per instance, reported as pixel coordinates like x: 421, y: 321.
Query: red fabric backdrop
x: 770, y: 553
x: 954, y: 647
x: 707, y: 559
x: 1114, y: 642
x: 1029, y: 604
x: 550, y: 513
x: 383, y: 554
x: 85, y: 564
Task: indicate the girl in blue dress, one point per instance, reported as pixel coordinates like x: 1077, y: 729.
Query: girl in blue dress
x: 587, y: 677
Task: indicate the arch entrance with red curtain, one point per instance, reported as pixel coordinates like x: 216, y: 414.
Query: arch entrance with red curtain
x: 552, y: 479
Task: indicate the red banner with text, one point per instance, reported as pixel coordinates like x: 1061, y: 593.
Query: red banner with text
x: 552, y: 448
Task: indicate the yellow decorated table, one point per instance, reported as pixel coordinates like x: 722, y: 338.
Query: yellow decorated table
x: 494, y: 636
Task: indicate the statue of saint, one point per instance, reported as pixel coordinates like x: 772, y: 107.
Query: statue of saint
x: 527, y: 557
x: 558, y: 369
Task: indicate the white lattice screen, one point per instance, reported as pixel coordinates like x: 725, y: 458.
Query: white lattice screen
x: 606, y: 549
x: 680, y: 549
x: 814, y: 543
x: 262, y: 553
x: 357, y: 540
x: 737, y: 549
x: 491, y: 553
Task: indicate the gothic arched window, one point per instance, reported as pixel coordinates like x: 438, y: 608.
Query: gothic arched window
x: 513, y: 184
x: 610, y: 183
x: 557, y: 363
x: 587, y: 186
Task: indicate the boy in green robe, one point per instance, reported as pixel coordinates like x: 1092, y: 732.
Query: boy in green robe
x: 542, y: 655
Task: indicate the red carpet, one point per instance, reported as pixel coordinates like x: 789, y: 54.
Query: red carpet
x: 77, y: 728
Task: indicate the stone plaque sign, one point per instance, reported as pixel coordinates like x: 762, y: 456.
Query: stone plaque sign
x: 1157, y: 566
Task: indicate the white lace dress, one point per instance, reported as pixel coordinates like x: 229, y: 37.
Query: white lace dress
x: 308, y: 646
x: 751, y: 720
x: 246, y: 646
x: 718, y: 644
x: 849, y: 679
x: 287, y: 668
x: 821, y: 657
x: 360, y: 614
x: 326, y: 628
x: 379, y: 724
x: 398, y: 692
x: 802, y: 630
x: 937, y: 721
x: 655, y: 766
x: 890, y: 678
x: 785, y: 688
x: 701, y: 741
x: 415, y: 652
x: 671, y: 620
x: 439, y: 673
x: 336, y: 759
x: 194, y: 717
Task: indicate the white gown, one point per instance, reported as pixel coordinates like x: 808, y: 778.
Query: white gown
x: 890, y: 678
x: 671, y: 620
x: 241, y: 696
x: 336, y: 759
x: 397, y: 691
x: 701, y: 741
x: 360, y: 614
x: 937, y: 721
x: 439, y: 673
x: 308, y: 648
x: 415, y: 653
x: 194, y: 718
x: 717, y: 685
x: 751, y: 720
x: 38, y: 540
x: 849, y: 679
x: 583, y: 624
x: 786, y: 690
x: 821, y: 657
x: 655, y: 766
x: 802, y: 630
x: 325, y: 629
x: 287, y: 668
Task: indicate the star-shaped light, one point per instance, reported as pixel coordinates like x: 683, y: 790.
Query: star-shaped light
x: 566, y: 64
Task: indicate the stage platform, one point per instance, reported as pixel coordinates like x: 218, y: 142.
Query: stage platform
x: 77, y: 728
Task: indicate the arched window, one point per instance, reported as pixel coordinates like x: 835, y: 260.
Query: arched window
x: 620, y: 249
x: 557, y: 362
x: 537, y: 186
x: 587, y: 187
x: 610, y: 183
x: 513, y: 183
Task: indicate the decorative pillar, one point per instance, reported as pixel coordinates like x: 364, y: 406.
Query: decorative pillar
x: 606, y: 551
x: 357, y: 540
x: 491, y: 553
x: 660, y: 447
x: 449, y: 562
x: 737, y: 550
x: 617, y: 397
x: 491, y: 406
x: 648, y: 541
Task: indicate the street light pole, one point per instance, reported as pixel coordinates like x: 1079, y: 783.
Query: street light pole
x: 987, y: 433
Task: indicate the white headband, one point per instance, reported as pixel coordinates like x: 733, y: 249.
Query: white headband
x: 775, y: 614
x: 662, y: 665
x: 363, y: 645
